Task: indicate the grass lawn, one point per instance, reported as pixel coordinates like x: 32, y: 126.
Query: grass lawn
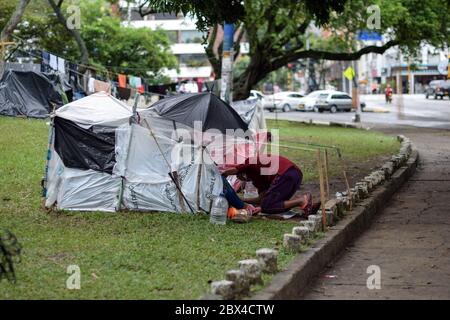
x: 136, y: 255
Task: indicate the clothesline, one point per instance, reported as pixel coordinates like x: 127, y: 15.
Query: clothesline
x: 87, y: 66
x: 80, y: 74
x: 104, y: 70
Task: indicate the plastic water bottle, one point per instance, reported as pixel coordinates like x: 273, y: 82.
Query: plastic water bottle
x: 219, y: 210
x: 250, y: 190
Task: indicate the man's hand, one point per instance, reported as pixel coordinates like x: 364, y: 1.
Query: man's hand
x: 230, y: 172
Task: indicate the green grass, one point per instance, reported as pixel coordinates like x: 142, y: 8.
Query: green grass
x: 358, y: 147
x: 133, y: 255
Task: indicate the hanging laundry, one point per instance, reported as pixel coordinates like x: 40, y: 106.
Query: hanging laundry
x: 102, y: 86
x: 141, y: 89
x: 53, y: 62
x: 73, y: 76
x: 122, y: 81
x: 61, y: 65
x: 45, y: 64
x: 124, y: 93
x: 113, y: 88
x: 138, y: 82
x: 135, y: 82
x: 91, y: 87
x: 132, y: 81
x: 133, y: 92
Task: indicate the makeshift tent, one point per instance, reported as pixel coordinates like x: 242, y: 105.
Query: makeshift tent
x: 105, y: 158
x: 252, y: 112
x: 213, y: 112
x: 28, y: 93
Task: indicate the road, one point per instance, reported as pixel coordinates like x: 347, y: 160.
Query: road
x: 416, y: 111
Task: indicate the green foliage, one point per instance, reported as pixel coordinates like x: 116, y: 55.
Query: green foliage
x: 207, y: 12
x: 6, y: 9
x: 411, y: 22
x: 110, y: 44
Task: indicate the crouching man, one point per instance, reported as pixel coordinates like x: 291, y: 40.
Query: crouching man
x: 277, y: 180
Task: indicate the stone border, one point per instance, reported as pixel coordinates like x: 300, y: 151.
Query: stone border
x: 293, y: 282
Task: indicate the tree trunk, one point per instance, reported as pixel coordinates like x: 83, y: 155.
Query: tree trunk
x: 214, y: 59
x: 256, y: 71
x: 84, y: 55
x: 9, y: 28
x: 14, y: 20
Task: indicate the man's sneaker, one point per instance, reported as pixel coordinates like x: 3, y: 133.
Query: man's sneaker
x: 307, y: 206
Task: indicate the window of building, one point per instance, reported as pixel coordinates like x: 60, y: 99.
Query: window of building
x: 193, y: 60
x: 172, y: 35
x: 191, y: 36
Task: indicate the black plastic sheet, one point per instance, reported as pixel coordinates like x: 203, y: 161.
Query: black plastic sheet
x: 27, y: 93
x: 82, y: 148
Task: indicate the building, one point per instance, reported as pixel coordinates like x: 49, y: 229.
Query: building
x: 411, y: 74
x: 187, y: 42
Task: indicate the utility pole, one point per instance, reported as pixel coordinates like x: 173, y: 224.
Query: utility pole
x: 355, y: 96
x: 226, y: 88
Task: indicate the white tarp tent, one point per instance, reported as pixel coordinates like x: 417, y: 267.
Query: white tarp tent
x: 102, y: 161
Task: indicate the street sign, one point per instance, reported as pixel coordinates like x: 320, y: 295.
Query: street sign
x: 349, y: 73
x: 368, y: 36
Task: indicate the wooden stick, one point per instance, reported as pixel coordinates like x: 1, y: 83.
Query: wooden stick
x: 199, y: 179
x: 322, y: 190
x: 180, y: 195
x: 348, y: 186
x: 326, y: 175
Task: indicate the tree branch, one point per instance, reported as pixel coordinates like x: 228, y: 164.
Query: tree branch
x: 14, y: 20
x: 326, y: 55
x: 75, y: 33
x: 209, y: 50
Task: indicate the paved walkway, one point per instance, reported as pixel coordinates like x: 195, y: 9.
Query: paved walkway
x: 409, y: 240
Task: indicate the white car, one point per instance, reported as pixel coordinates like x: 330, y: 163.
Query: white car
x: 255, y: 94
x: 284, y: 101
x: 308, y: 102
x: 333, y: 101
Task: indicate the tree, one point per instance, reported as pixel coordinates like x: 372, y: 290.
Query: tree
x: 278, y: 31
x: 109, y: 44
x: 84, y: 55
x: 8, y: 27
x: 15, y: 18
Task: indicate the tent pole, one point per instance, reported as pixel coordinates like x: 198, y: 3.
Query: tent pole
x: 170, y: 168
x: 322, y: 189
x: 132, y: 120
x: 199, y: 178
x: 327, y: 183
x: 47, y: 161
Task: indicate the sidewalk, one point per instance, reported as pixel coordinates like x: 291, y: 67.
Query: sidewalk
x: 409, y: 241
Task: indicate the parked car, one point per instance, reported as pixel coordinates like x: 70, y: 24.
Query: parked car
x: 438, y: 89
x: 255, y: 94
x: 333, y: 101
x: 308, y: 102
x: 284, y: 101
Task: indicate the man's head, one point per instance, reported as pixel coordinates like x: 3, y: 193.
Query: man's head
x: 242, y: 176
